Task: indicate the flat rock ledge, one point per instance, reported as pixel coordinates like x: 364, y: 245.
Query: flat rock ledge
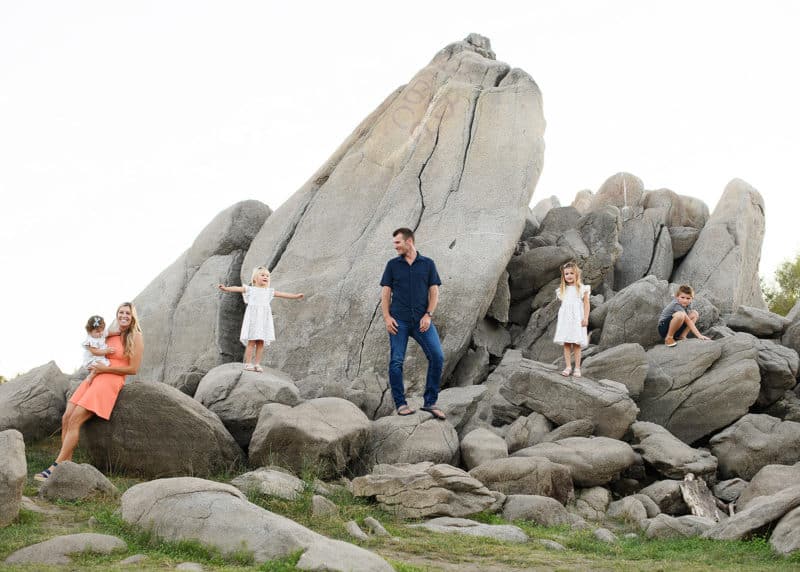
x: 57, y: 550
x: 445, y: 525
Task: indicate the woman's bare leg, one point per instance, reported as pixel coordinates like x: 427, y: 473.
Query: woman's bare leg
x: 79, y: 416
x: 65, y: 419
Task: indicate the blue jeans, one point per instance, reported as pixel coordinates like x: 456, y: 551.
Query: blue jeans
x: 429, y: 342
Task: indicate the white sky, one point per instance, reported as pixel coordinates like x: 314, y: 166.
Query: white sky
x: 126, y: 126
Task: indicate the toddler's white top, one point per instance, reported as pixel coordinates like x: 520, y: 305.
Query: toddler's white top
x: 96, y: 343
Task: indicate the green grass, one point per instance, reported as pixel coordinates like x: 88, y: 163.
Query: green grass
x: 416, y: 550
x: 26, y: 530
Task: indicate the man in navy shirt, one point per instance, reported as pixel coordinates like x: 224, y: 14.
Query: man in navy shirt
x: 408, y: 300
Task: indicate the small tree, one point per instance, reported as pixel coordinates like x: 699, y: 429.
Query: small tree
x: 783, y: 296
x: 2, y: 380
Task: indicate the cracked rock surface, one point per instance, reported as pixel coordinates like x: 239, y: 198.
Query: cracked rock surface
x: 455, y: 155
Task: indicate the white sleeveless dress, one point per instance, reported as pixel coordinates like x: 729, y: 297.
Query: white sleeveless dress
x: 257, y: 323
x: 570, y: 316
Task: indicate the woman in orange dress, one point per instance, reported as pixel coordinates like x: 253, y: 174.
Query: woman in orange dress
x: 97, y: 396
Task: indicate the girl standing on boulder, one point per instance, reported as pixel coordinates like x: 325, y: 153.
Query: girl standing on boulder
x: 97, y: 394
x: 573, y: 316
x: 258, y: 328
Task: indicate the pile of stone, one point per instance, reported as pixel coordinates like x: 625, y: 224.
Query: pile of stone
x: 649, y: 434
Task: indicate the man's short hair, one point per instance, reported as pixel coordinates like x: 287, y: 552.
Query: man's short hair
x: 685, y: 289
x: 406, y: 232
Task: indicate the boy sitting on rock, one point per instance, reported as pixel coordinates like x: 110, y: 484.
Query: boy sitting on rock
x: 678, y: 318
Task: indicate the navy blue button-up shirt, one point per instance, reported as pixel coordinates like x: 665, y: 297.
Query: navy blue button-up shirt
x: 410, y: 284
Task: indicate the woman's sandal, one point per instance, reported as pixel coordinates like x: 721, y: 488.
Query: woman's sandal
x: 44, y: 475
x: 567, y: 372
x: 435, y: 411
x: 258, y: 368
x: 248, y: 367
x: 577, y: 372
x: 404, y: 410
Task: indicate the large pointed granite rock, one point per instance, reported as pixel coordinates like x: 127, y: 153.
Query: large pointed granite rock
x: 190, y: 327
x: 455, y: 155
x: 723, y: 264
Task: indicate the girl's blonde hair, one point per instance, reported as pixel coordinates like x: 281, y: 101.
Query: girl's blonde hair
x: 129, y: 334
x: 578, y: 282
x: 255, y: 273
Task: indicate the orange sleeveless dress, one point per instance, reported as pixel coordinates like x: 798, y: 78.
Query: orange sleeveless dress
x: 100, y: 396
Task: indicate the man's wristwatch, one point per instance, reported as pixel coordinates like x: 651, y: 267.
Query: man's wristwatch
x: 430, y: 314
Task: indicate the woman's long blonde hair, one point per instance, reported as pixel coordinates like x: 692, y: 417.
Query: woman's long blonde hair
x: 578, y: 282
x: 129, y: 334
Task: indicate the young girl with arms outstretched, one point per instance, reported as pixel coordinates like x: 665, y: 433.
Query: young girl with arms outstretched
x: 257, y: 327
x: 573, y: 317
